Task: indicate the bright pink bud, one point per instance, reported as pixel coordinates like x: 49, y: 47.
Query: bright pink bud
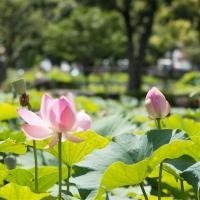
x: 156, y: 104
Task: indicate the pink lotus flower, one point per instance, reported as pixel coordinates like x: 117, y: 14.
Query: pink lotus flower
x: 56, y: 116
x: 156, y: 104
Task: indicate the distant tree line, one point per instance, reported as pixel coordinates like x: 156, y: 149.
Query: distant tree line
x: 89, y: 31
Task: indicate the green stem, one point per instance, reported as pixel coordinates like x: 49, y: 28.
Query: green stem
x: 43, y: 158
x: 158, y: 123
x: 107, y: 195
x: 182, y: 189
x: 160, y: 181
x: 143, y: 191
x: 68, y: 177
x: 161, y: 165
x: 60, y: 165
x: 36, y: 165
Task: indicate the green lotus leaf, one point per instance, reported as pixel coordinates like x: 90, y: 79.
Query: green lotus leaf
x: 7, y: 111
x: 191, y: 127
x: 3, y: 173
x: 129, y: 154
x: 192, y: 176
x: 13, y: 191
x: 10, y: 145
x: 74, y: 152
x: 20, y: 177
x: 47, y: 177
x: 114, y: 125
x: 120, y: 174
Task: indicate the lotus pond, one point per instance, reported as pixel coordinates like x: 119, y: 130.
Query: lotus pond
x: 115, y: 151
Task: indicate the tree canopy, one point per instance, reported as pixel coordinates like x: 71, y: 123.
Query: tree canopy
x: 89, y: 31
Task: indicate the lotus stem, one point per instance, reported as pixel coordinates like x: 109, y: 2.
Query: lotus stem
x: 160, y: 181
x: 158, y: 123
x: 161, y: 165
x: 36, y: 165
x: 68, y: 177
x: 143, y: 191
x: 107, y: 195
x: 182, y: 189
x: 60, y: 166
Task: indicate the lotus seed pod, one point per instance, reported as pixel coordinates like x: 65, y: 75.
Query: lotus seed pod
x: 19, y: 86
x: 10, y: 162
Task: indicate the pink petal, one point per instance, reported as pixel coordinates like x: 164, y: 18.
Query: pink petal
x: 47, y: 101
x: 36, y: 132
x: 83, y: 120
x: 73, y: 138
x: 150, y: 109
x: 62, y: 115
x: 167, y: 109
x: 30, y: 117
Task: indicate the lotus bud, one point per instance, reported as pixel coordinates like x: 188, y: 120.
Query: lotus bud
x: 156, y: 104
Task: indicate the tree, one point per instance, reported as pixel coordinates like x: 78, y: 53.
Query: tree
x: 20, y: 32
x: 22, y: 24
x: 191, y: 12
x: 86, y: 36
x: 138, y: 17
x: 174, y: 27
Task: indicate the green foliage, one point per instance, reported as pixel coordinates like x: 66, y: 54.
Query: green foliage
x: 8, y: 132
x: 21, y: 44
x: 83, y: 29
x: 191, y: 78
x: 87, y: 32
x: 20, y: 177
x: 113, y: 125
x: 7, y: 111
x: 75, y: 152
x: 35, y: 99
x: 192, y: 176
x: 48, y: 177
x: 12, y: 146
x: 121, y: 174
x: 3, y: 173
x: 178, y: 165
x: 13, y: 191
x: 118, y: 155
x: 179, y: 27
x: 87, y: 104
x: 56, y: 75
x: 193, y: 54
x: 190, y: 126
x: 129, y: 159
